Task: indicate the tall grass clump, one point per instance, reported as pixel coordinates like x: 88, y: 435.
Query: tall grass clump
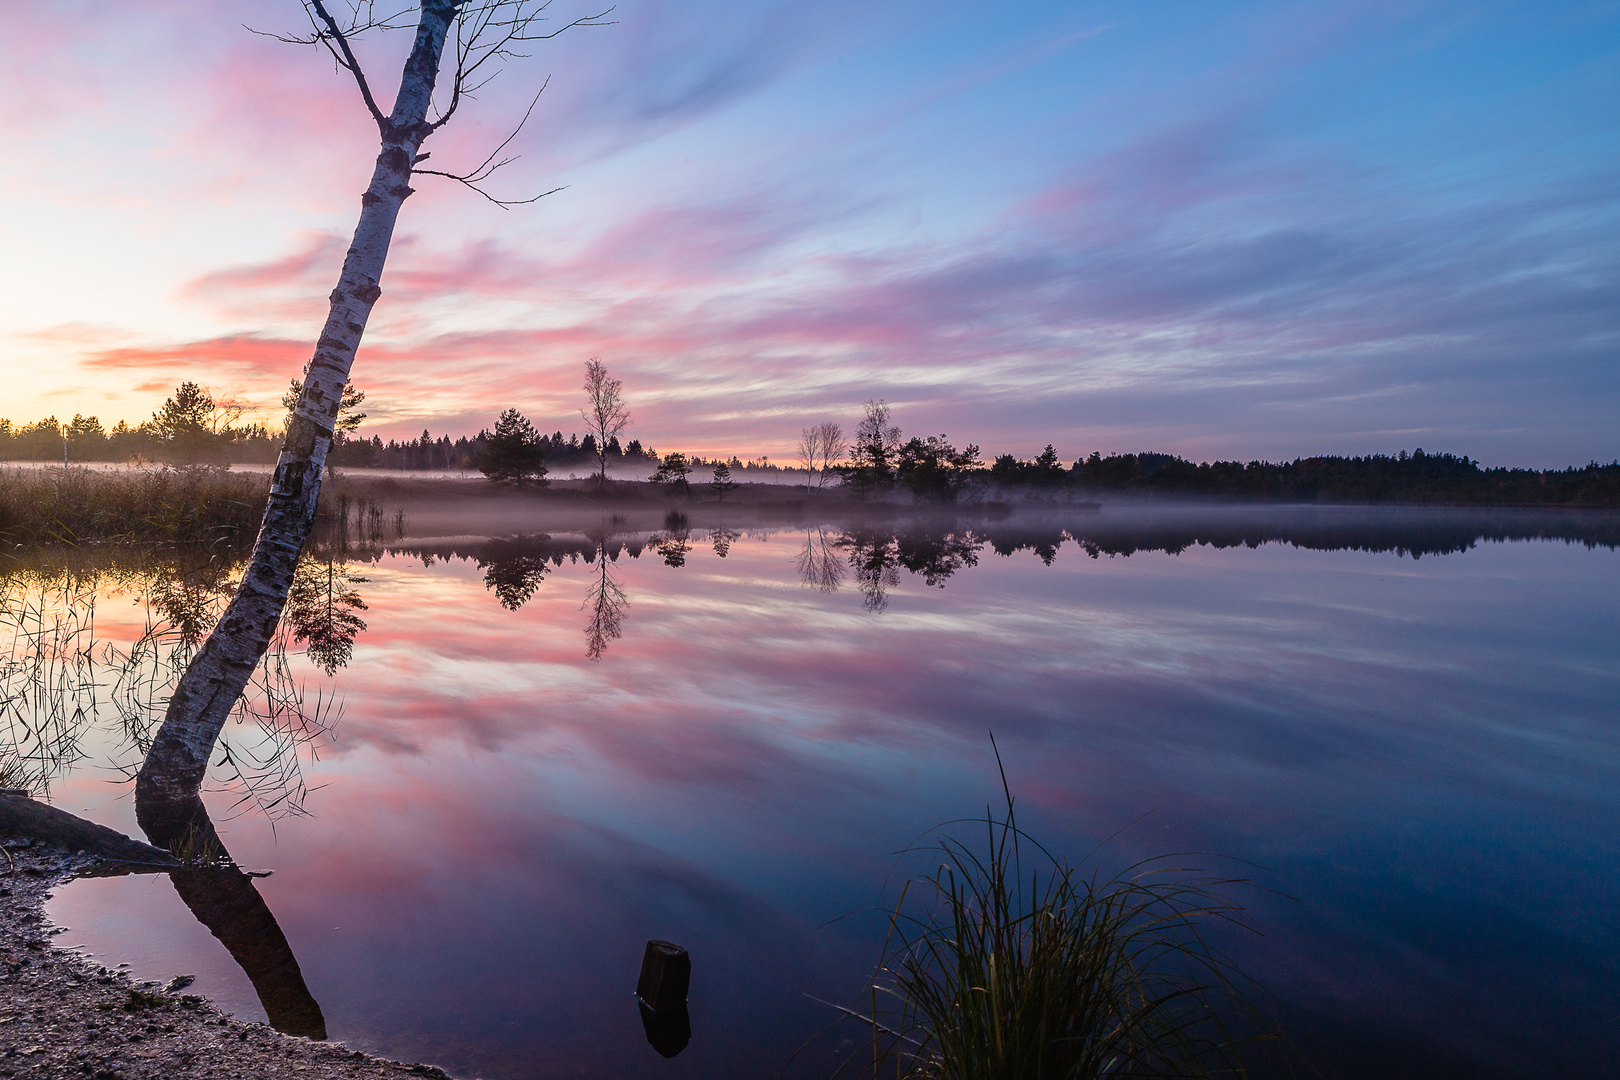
x: 1021, y: 966
x: 76, y: 506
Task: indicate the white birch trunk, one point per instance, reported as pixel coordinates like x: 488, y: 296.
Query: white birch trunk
x: 166, y: 790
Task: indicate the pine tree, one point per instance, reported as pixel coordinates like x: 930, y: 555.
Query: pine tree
x: 722, y: 481
x: 513, y: 454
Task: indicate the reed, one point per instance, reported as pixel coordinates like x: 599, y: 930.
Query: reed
x: 76, y: 506
x: 1025, y: 967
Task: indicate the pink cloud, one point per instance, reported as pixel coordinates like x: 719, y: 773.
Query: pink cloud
x: 243, y: 353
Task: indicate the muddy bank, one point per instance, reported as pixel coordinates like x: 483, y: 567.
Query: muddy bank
x: 63, y: 1016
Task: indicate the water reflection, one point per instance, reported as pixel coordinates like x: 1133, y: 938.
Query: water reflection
x: 874, y: 561
x: 514, y: 567
x: 321, y: 610
x: 1413, y: 757
x: 607, y: 602
x: 722, y: 537
x: 819, y: 562
x: 675, y: 542
x: 65, y: 667
x: 872, y: 554
x: 225, y: 900
x: 668, y: 1031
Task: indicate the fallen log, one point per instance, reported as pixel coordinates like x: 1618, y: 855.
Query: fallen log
x: 23, y: 816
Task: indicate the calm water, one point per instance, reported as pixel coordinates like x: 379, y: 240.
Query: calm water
x: 720, y: 738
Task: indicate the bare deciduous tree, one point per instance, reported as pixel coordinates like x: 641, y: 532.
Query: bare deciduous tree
x: 809, y: 452
x: 480, y: 34
x: 833, y: 448
x: 605, y: 412
x: 819, y: 449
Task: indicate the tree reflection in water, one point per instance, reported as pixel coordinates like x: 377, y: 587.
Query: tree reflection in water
x: 59, y: 678
x: 321, y: 611
x: 721, y: 537
x: 819, y: 562
x: 874, y: 560
x: 224, y: 899
x: 675, y: 543
x: 607, y: 602
x: 514, y: 567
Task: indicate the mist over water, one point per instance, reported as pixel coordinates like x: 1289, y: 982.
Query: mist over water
x: 562, y: 736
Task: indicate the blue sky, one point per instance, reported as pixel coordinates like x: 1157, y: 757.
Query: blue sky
x: 1237, y: 230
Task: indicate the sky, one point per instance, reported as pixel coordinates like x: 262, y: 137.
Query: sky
x: 1237, y: 230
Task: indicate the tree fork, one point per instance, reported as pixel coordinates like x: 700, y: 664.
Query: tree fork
x: 166, y: 790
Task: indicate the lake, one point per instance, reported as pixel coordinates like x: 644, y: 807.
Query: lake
x: 545, y: 748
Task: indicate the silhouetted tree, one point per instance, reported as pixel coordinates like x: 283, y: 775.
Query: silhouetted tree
x: 349, y: 415
x: 605, y: 413
x: 874, y: 451
x: 832, y: 446
x: 513, y: 453
x: 182, y: 426
x: 85, y: 437
x: 935, y: 471
x: 672, y: 473
x: 721, y: 484
x: 809, y: 452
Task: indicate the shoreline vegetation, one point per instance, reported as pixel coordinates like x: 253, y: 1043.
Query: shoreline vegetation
x: 879, y: 464
x: 57, y: 507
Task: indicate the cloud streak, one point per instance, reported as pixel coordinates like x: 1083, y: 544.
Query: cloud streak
x: 1188, y: 263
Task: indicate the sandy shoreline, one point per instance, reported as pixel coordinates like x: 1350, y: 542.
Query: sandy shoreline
x: 64, y: 1016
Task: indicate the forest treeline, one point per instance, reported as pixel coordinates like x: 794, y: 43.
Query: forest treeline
x: 1415, y: 477
x: 878, y: 462
x: 932, y: 469
x: 192, y: 428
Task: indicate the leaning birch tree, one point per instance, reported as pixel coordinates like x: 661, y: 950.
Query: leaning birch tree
x: 478, y: 36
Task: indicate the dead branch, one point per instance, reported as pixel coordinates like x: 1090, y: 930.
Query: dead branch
x: 23, y: 816
x: 335, y: 39
x: 489, y: 31
x: 487, y: 168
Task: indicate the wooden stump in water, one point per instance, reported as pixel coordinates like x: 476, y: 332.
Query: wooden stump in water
x: 666, y: 975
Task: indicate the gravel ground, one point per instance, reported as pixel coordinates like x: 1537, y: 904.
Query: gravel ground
x: 62, y: 1015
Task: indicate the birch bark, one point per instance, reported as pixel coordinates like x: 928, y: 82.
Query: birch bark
x: 166, y: 789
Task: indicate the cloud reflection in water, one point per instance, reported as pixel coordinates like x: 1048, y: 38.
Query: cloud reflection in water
x: 1411, y: 747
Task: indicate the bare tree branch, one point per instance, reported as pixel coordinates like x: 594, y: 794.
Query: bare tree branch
x: 485, y: 170
x: 483, y: 31
x: 349, y: 61
x: 487, y: 31
x: 335, y: 39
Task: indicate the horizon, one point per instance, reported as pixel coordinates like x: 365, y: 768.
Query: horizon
x: 1261, y: 232
x: 786, y: 459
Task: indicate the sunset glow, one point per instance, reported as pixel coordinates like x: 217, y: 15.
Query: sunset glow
x: 1252, y: 230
